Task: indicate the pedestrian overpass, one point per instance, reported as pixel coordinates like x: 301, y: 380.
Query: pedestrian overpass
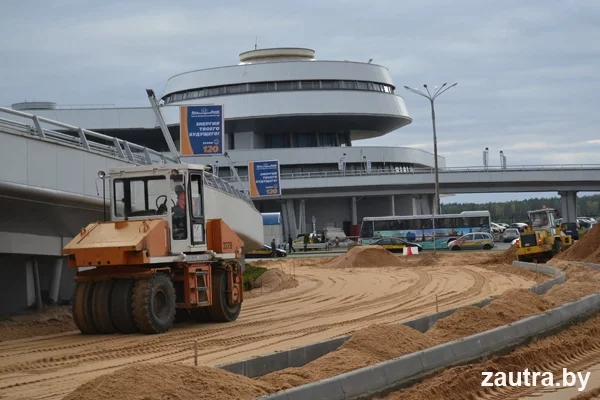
x: 49, y: 190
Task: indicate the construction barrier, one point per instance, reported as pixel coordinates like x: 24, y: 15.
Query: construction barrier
x: 262, y: 365
x: 408, y: 251
x: 391, y: 374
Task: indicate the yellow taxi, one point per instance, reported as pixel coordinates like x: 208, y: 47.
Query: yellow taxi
x: 265, y: 252
x: 473, y: 241
x: 395, y: 245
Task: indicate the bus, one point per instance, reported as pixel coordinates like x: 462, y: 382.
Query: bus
x: 424, y: 229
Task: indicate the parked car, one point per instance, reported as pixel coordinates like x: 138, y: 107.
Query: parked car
x: 264, y: 252
x: 571, y: 228
x: 497, y: 228
x: 519, y: 225
x: 395, y: 244
x: 472, y: 241
x: 511, y: 234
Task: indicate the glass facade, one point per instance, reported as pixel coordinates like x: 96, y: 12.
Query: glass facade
x: 277, y: 86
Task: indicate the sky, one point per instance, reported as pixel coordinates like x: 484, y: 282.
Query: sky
x: 527, y: 71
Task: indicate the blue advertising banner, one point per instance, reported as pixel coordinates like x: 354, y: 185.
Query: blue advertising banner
x: 201, y: 130
x: 264, y: 178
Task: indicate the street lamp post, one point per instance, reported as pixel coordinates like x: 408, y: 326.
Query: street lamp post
x: 431, y: 98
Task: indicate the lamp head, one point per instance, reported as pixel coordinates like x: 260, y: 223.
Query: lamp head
x: 101, y: 174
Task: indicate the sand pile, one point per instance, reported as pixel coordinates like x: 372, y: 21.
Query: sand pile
x: 466, y: 321
x: 571, y: 291
x: 366, y: 257
x: 586, y: 249
x: 512, y: 305
x: 386, y: 342
x: 464, y: 382
x: 50, y: 321
x: 368, y: 346
x: 428, y: 260
x: 272, y: 280
x: 169, y: 381
x: 516, y: 304
x: 497, y: 257
x: 275, y: 279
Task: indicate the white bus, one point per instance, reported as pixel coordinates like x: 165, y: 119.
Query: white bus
x: 422, y: 229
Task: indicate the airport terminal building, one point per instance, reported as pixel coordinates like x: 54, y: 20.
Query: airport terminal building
x: 284, y: 104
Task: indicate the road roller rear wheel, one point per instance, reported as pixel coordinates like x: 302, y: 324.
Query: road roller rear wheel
x: 154, y: 304
x: 101, y: 307
x: 82, y: 307
x: 121, y: 311
x: 221, y: 310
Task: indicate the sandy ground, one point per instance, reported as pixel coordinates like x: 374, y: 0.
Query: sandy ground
x: 576, y: 348
x: 327, y: 302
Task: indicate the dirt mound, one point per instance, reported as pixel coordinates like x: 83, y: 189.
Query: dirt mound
x: 50, y: 321
x: 386, y: 342
x: 571, y: 291
x: 497, y: 257
x: 547, y: 354
x: 585, y: 249
x: 427, y: 260
x: 507, y: 256
x: 275, y: 278
x: 366, y: 257
x: 272, y: 280
x: 166, y: 382
x: 368, y: 346
x: 512, y: 305
x: 464, y: 322
x: 515, y: 304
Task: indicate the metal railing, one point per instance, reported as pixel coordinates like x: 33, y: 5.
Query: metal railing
x: 225, y: 186
x: 415, y: 171
x: 82, y: 138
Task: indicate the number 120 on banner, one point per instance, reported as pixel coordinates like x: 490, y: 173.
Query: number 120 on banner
x: 264, y: 178
x: 201, y: 130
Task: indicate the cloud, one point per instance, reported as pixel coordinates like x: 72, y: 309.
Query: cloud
x: 526, y: 71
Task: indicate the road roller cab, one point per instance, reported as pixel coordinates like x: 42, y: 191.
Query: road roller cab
x: 159, y: 256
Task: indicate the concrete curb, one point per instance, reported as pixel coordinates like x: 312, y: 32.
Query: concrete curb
x: 262, y: 365
x: 394, y: 373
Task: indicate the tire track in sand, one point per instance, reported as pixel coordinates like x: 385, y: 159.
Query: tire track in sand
x: 317, y: 309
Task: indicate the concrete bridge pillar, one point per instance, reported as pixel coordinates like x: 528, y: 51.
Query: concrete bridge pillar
x: 56, y: 278
x: 568, y: 202
x: 392, y: 205
x: 288, y: 212
x: 354, y: 211
x: 302, y: 216
x: 422, y: 204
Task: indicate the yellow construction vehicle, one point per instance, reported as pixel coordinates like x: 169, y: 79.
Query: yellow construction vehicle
x: 174, y: 244
x: 541, y: 239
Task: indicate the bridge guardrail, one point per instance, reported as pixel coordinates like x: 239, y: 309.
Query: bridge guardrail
x: 84, y: 138
x: 413, y: 171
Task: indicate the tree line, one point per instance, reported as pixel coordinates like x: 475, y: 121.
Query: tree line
x: 516, y: 211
